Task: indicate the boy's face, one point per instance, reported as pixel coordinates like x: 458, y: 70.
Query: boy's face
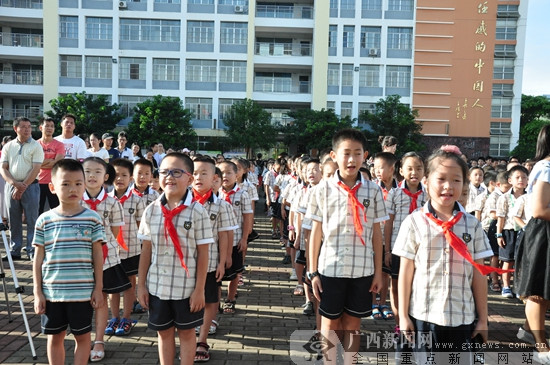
x: 122, y: 179
x: 142, y: 176
x: 349, y: 156
x: 229, y: 177
x: 383, y: 170
x: 216, y: 182
x: 518, y: 180
x: 313, y: 173
x: 476, y: 177
x: 329, y: 169
x: 68, y: 186
x: 155, y: 183
x: 95, y: 175
x: 504, y: 187
x: 107, y: 143
x: 277, y: 167
x: 203, y: 176
x: 172, y: 186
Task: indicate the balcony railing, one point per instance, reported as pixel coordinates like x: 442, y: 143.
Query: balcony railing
x: 23, y: 4
x: 31, y: 112
x: 284, y: 11
x: 21, y: 40
x: 281, y: 85
x: 282, y: 49
x: 22, y: 77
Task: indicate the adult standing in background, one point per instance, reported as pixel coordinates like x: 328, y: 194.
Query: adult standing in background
x: 108, y: 145
x: 388, y: 143
x: 3, y: 209
x: 53, y: 152
x: 124, y: 151
x: 21, y: 161
x: 159, y: 155
x: 96, y: 150
x: 75, y: 147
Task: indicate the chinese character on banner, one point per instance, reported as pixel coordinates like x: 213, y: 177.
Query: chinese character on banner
x: 482, y: 8
x: 476, y: 104
x: 502, y: 358
x: 481, y: 46
x: 406, y: 358
x: 454, y: 358
x: 482, y: 29
x: 357, y: 359
x: 382, y: 358
x: 527, y: 358
x: 479, y: 65
x: 478, y: 86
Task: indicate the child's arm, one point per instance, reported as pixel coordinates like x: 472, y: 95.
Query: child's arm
x: 388, y: 228
x: 229, y: 257
x: 248, y: 218
x: 519, y: 222
x: 479, y: 290
x: 39, y: 299
x: 478, y: 215
x: 313, y: 259
x: 297, y: 229
x: 196, y: 302
x: 378, y: 249
x: 404, y: 287
x: 500, y: 227
x: 143, y: 269
x: 97, y: 257
x: 222, y: 252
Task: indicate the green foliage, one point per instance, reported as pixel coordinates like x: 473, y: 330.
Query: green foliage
x: 313, y: 129
x: 528, y: 139
x: 93, y: 113
x: 249, y: 127
x: 162, y: 119
x: 392, y: 118
x: 532, y: 108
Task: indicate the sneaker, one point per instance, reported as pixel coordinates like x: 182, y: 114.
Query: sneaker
x: 112, y: 326
x: 308, y: 309
x: 293, y: 276
x: 507, y: 292
x: 124, y: 327
x: 541, y: 357
x: 286, y: 260
x: 525, y: 336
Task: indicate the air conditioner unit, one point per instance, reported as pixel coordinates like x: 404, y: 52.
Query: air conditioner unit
x: 373, y: 52
x: 122, y: 5
x: 239, y: 9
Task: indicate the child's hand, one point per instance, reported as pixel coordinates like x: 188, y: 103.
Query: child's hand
x: 481, y: 329
x: 143, y: 296
x: 377, y: 283
x: 501, y: 242
x: 387, y: 259
x: 228, y: 261
x: 406, y: 327
x: 97, y: 299
x: 39, y: 303
x: 291, y: 235
x: 317, y: 287
x: 196, y: 301
x: 220, y: 271
x: 297, y: 245
x: 242, y: 245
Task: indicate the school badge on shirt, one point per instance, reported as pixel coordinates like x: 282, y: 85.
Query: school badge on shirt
x: 131, y: 210
x: 466, y: 237
x: 105, y: 214
x: 237, y: 203
x: 366, y: 202
x: 187, y: 225
x: 212, y: 217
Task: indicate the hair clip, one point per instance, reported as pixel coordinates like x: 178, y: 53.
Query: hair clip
x: 451, y: 148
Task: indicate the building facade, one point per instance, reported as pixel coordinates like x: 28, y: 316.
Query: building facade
x: 338, y: 54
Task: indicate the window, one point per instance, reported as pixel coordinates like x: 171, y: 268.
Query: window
x: 500, y: 128
x: 503, y: 90
x: 165, y: 69
x: 501, y: 108
x: 68, y: 27
x: 370, y: 37
x: 347, y: 4
x: 200, y: 107
x: 505, y: 50
x: 201, y: 2
x: 507, y: 29
x: 503, y: 69
x: 150, y: 30
x: 398, y: 76
x: 200, y: 71
x: 367, y: 107
x: 508, y: 11
x: 400, y: 5
x: 233, y: 2
x: 334, y: 4
x: 200, y: 32
x: 399, y: 38
x: 224, y: 106
x: 499, y: 146
x: 168, y: 1
x: 369, y: 76
x: 347, y: 75
x: 99, y: 28
x: 371, y: 5
x: 331, y: 105
x: 131, y: 68
x: 345, y: 110
x: 233, y: 71
x: 333, y: 77
x: 274, y: 82
x: 348, y: 36
x: 332, y: 36
x: 70, y: 66
x: 129, y: 102
x: 234, y: 33
x: 99, y: 67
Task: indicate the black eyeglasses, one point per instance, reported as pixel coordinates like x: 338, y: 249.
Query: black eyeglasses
x: 175, y: 173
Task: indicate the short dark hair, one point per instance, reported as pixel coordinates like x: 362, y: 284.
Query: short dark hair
x: 502, y: 177
x: 122, y: 134
x: 68, y: 115
x: 45, y: 119
x: 183, y: 158
x: 387, y: 157
x: 67, y: 164
x: 489, y: 176
x: 518, y: 168
x: 122, y: 162
x: 18, y: 120
x: 349, y: 134
x: 386, y: 141
x: 144, y: 162
x: 232, y: 164
x: 205, y: 159
x: 96, y: 160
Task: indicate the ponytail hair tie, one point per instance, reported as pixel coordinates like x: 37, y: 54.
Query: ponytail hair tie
x: 451, y: 148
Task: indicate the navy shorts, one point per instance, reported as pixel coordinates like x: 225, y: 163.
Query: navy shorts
x: 301, y: 257
x: 237, y: 265
x: 276, y: 210
x: 492, y: 239
x: 345, y: 295
x: 165, y: 314
x: 130, y: 265
x: 211, y: 288
x: 507, y: 252
x: 115, y: 280
x: 60, y: 315
x: 395, y: 262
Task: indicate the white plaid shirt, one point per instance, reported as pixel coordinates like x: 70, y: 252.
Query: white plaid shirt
x: 441, y: 290
x: 166, y: 278
x: 522, y: 208
x: 133, y: 210
x: 111, y: 215
x: 473, y: 192
x: 247, y: 186
x: 482, y: 206
x: 506, y: 209
x: 342, y: 252
x: 398, y: 203
x: 240, y: 201
x: 269, y: 181
x: 148, y: 196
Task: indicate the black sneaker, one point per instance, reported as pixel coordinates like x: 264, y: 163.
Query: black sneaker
x: 13, y: 257
x: 286, y: 260
x: 308, y: 309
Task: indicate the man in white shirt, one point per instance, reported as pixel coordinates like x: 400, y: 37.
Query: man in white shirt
x: 124, y: 151
x: 159, y: 155
x: 75, y: 147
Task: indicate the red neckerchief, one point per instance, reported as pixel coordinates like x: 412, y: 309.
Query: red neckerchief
x: 413, y: 196
x: 170, y: 229
x: 460, y: 247
x: 357, y: 208
x: 227, y: 194
x: 93, y: 203
x: 201, y: 198
x: 136, y: 192
x: 120, y: 236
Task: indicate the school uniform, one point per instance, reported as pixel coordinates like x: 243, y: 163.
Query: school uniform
x: 506, y: 210
x: 473, y: 192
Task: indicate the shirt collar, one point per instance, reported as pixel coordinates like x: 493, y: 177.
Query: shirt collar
x: 186, y: 200
x: 429, y: 209
x: 27, y: 141
x: 336, y: 178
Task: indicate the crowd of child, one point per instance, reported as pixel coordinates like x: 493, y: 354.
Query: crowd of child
x: 351, y: 230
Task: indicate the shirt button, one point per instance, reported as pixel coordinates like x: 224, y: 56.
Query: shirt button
x: 446, y: 272
x: 446, y: 250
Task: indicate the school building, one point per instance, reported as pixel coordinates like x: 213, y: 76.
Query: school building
x: 458, y: 62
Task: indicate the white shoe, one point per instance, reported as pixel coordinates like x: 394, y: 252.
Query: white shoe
x: 293, y: 276
x: 541, y: 357
x: 525, y: 336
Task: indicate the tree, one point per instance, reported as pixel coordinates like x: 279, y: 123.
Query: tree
x: 249, y: 126
x: 313, y: 129
x: 532, y: 108
x: 93, y: 113
x: 392, y: 118
x: 527, y: 142
x: 163, y: 119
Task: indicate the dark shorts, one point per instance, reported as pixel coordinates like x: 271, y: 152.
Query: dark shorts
x: 115, y: 280
x: 237, y: 265
x: 385, y: 269
x: 395, y: 262
x: 211, y: 288
x: 345, y: 295
x: 285, y: 225
x: 301, y: 257
x: 130, y: 265
x: 165, y: 314
x: 59, y: 315
x: 275, y: 210
x: 454, y: 338
x: 492, y: 239
x: 507, y: 252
